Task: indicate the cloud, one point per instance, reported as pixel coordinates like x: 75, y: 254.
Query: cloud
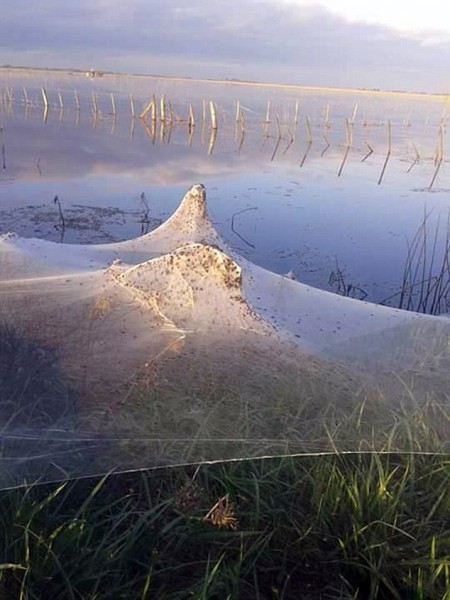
x: 260, y: 39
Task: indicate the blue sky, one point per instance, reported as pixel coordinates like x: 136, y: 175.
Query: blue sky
x: 386, y: 45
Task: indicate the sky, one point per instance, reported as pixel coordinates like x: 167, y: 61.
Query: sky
x: 382, y: 44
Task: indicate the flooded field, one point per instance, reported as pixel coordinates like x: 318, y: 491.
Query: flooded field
x: 329, y: 186
x: 144, y: 321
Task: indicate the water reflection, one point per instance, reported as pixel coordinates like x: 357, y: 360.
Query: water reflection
x: 335, y: 176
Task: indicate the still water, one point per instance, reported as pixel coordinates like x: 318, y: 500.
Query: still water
x: 330, y: 186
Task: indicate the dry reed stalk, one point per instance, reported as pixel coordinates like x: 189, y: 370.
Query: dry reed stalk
x: 113, y: 103
x: 153, y: 108
x: 349, y: 139
x: 133, y: 114
x: 162, y: 132
x: 233, y: 229
x: 204, y: 111
x: 268, y: 112
x: 425, y: 286
x: 327, y: 142
x: 307, y: 149
x: 277, y: 145
x: 296, y: 113
x: 308, y: 129
x: 77, y: 100
x: 366, y: 156
x: 388, y: 152
x: 236, y: 130
x: 349, y: 132
x: 145, y: 207
x: 191, y: 117
x: 162, y: 109
x: 242, y: 120
x: 95, y: 103
x: 202, y: 133
x: 436, y: 154
x: 355, y: 110
x: 145, y: 110
x: 238, y: 111
x: 241, y: 141
x: 171, y: 113
x: 169, y: 132
x: 2, y: 139
x: 212, y: 110
x: 27, y: 100
x: 190, y: 135
x: 113, y: 124
x: 327, y: 116
x: 212, y: 141
x: 291, y: 139
x: 5, y: 99
x: 440, y: 155
x: 151, y: 131
x: 61, y: 216
x: 61, y: 103
x: 44, y: 97
x: 349, y: 290
x: 277, y: 119
x: 416, y: 159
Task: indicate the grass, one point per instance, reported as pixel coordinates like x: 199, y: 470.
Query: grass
x: 355, y: 526
x: 32, y: 390
x: 336, y: 525
x: 425, y: 283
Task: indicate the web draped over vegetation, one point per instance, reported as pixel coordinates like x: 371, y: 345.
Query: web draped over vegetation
x: 172, y: 349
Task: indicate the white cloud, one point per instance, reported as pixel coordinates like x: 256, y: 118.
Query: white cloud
x: 425, y: 18
x: 295, y: 41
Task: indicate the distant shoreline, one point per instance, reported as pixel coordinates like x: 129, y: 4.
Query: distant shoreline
x: 238, y: 82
